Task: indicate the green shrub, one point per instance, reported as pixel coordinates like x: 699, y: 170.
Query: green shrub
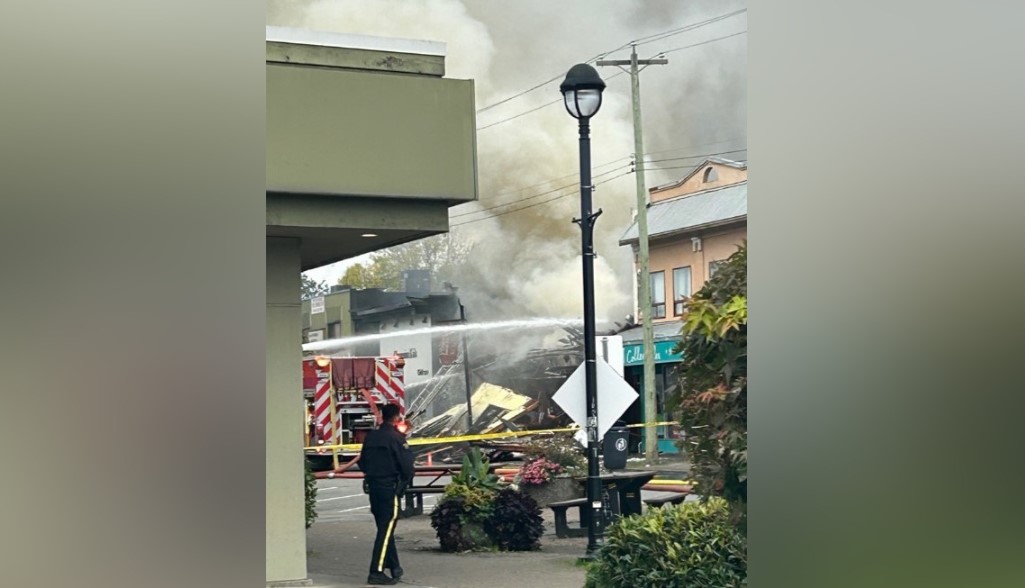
x: 474, y: 472
x: 691, y: 545
x: 712, y: 403
x: 477, y: 501
x: 311, y: 495
x: 515, y: 523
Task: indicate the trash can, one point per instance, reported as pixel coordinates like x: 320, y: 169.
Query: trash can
x: 614, y: 448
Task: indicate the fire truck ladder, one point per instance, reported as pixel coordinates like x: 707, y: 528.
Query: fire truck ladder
x: 437, y: 384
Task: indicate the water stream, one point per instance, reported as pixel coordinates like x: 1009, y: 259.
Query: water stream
x: 330, y: 345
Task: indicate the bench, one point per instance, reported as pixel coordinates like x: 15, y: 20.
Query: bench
x: 669, y: 499
x: 415, y: 499
x: 562, y: 529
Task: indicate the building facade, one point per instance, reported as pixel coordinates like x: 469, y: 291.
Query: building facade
x: 368, y: 145
x: 693, y: 225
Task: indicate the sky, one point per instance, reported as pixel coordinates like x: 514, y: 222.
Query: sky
x: 526, y: 250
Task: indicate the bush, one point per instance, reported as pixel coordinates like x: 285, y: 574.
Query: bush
x: 311, y: 495
x: 515, y: 523
x: 712, y: 405
x: 693, y: 544
x: 509, y: 520
x: 456, y: 527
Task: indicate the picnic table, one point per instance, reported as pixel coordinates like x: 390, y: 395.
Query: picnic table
x: 621, y: 493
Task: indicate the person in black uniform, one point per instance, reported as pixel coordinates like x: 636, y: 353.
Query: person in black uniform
x: 387, y: 465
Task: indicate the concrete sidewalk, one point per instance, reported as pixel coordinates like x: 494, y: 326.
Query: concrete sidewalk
x: 339, y: 556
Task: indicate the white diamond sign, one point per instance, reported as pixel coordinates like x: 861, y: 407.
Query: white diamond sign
x: 614, y: 397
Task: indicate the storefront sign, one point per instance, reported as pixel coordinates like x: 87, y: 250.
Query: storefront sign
x: 634, y: 354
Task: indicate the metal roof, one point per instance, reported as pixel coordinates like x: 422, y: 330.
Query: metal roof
x: 693, y: 211
x: 662, y: 332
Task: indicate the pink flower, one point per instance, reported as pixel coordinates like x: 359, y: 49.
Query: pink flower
x: 539, y: 471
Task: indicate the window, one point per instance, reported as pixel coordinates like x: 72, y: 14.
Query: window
x: 658, y: 295
x: 713, y: 266
x: 681, y: 288
x: 334, y: 331
x: 711, y: 175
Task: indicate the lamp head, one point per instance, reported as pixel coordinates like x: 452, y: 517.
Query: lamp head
x: 582, y: 91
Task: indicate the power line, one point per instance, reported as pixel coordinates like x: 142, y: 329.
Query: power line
x: 640, y: 41
x: 573, y: 185
x: 702, y: 43
x: 605, y: 173
x: 646, y: 161
x: 512, y: 202
x: 690, y: 146
x: 545, y: 105
x: 612, y: 162
x: 691, y: 27
x: 534, y: 204
x: 553, y: 180
x: 613, y: 76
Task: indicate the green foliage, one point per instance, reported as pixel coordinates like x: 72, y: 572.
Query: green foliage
x: 477, y: 500
x: 443, y: 255
x: 562, y: 449
x: 515, y: 523
x: 311, y: 288
x: 475, y: 472
x: 311, y: 496
x: 692, y: 544
x: 713, y: 401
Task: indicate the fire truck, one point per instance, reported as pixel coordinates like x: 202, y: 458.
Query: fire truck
x: 343, y: 396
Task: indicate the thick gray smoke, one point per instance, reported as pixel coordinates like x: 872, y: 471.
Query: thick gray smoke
x: 527, y: 263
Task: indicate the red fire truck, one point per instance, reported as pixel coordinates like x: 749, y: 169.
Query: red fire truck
x: 343, y: 395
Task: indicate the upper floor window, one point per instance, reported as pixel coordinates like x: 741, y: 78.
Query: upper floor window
x: 711, y: 175
x: 681, y: 289
x: 658, y: 295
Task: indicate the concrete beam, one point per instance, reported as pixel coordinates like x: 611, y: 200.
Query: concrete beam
x: 333, y: 212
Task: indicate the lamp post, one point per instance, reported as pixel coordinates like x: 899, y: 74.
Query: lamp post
x: 581, y: 92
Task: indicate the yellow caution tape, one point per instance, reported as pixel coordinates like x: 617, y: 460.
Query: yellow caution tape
x: 479, y: 437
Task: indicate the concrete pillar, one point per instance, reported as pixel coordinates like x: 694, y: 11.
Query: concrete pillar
x: 286, y: 526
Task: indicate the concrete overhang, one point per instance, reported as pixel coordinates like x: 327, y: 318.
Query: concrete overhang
x: 332, y: 229
x: 364, y: 135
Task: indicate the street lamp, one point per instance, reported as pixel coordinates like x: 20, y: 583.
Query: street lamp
x: 581, y: 93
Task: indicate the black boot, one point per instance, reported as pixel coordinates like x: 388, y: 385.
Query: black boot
x: 396, y: 573
x: 379, y: 579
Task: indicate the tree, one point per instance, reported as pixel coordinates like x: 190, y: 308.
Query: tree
x: 311, y: 288
x: 713, y: 398
x: 443, y: 255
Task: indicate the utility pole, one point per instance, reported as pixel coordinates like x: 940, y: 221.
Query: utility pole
x: 466, y: 372
x: 643, y: 273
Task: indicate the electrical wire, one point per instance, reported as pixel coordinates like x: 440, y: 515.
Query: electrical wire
x: 513, y: 202
x: 640, y: 41
x: 534, y: 204
x: 575, y: 184
x: 613, y: 76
